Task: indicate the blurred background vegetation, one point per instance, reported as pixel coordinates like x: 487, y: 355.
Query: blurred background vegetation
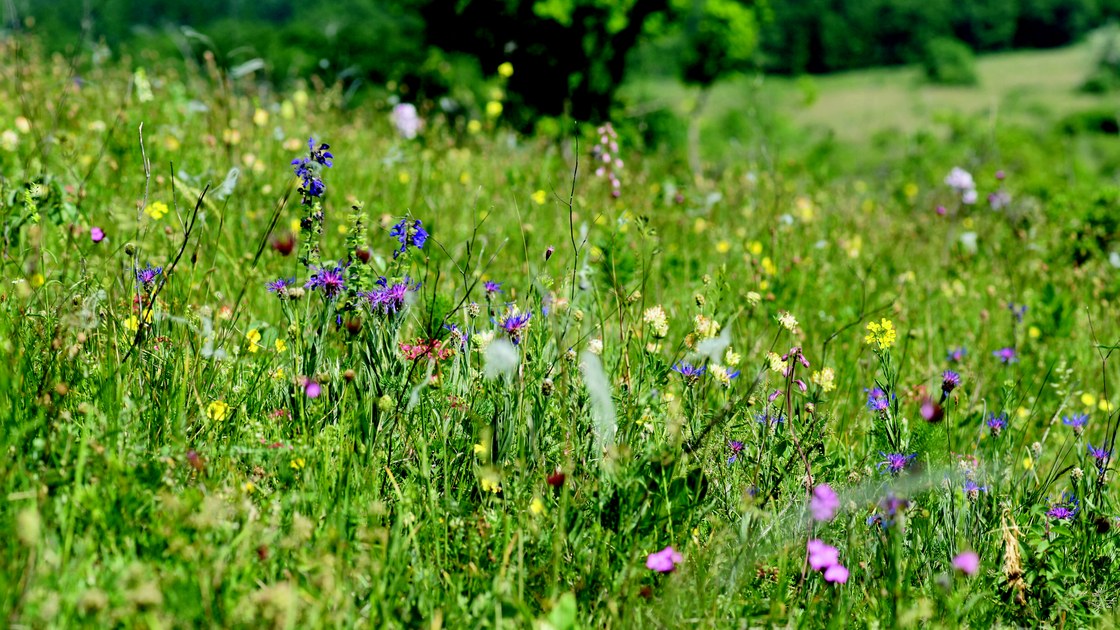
x: 669, y: 72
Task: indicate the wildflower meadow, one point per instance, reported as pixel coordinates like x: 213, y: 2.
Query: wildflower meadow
x: 275, y: 361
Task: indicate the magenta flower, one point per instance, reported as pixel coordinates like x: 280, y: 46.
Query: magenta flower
x: 967, y: 563
x: 96, y: 234
x: 1006, y: 355
x: 822, y: 556
x: 826, y: 558
x: 837, y: 574
x: 663, y: 561
x: 312, y: 389
x: 824, y: 503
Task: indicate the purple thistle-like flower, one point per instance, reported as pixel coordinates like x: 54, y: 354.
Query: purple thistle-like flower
x: 886, y: 513
x: 972, y: 489
x: 147, y: 276
x: 736, y: 447
x: 1006, y: 355
x: 877, y: 399
x: 997, y: 423
x: 389, y: 299
x: 514, y: 324
x: 690, y: 372
x: 1100, y: 455
x: 492, y: 287
x: 1077, y: 421
x: 1065, y: 509
x: 407, y: 234
x: 329, y: 281
x: 894, y: 463
x: 950, y: 380
x: 956, y: 355
x: 280, y: 286
x: 766, y: 418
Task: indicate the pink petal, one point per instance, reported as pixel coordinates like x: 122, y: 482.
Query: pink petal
x: 836, y: 573
x: 967, y: 562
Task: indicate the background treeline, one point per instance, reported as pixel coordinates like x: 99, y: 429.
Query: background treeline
x: 569, y: 56
x: 828, y: 35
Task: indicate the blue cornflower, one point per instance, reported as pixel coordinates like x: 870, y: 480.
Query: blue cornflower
x: 950, y: 380
x: 147, y: 276
x: 956, y: 355
x: 997, y: 423
x: 888, y: 510
x: 766, y: 418
x: 972, y: 489
x: 1017, y: 311
x: 877, y: 399
x: 691, y: 373
x: 894, y: 463
x: 409, y: 234
x: 1006, y: 355
x: 389, y: 299
x: 736, y: 448
x: 1065, y: 509
x: 1100, y: 455
x: 1077, y: 422
x: 280, y: 286
x: 514, y: 323
x: 329, y: 281
x: 492, y: 287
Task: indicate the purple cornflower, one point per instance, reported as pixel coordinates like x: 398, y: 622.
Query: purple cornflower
x: 1077, y: 422
x: 736, y: 448
x: 888, y: 510
x: 972, y: 489
x: 514, y: 324
x: 877, y: 399
x: 772, y: 420
x: 824, y: 503
x: 997, y: 423
x: 1006, y: 355
x: 691, y: 373
x: 956, y: 355
x: 950, y: 380
x: 96, y: 234
x: 1100, y: 455
x: 147, y: 276
x: 1065, y: 509
x: 894, y: 463
x: 329, y: 281
x: 389, y: 299
x: 409, y: 234
x: 492, y: 287
x: 312, y: 389
x: 280, y: 286
x: 663, y: 561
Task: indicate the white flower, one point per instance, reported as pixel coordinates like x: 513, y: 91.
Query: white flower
x: 657, y: 320
x: 595, y: 346
x: 787, y: 320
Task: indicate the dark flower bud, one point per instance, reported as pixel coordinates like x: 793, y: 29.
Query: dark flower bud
x: 363, y: 254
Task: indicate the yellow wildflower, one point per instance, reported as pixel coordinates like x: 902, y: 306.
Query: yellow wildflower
x: 506, y: 70
x: 217, y: 411
x: 254, y: 337
x: 281, y: 345
x: 493, y: 109
x: 156, y: 210
x: 881, y: 334
x: 298, y: 463
x: 539, y: 197
x: 826, y: 378
x: 536, y: 506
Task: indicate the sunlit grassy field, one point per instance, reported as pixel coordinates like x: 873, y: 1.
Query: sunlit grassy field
x: 463, y: 379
